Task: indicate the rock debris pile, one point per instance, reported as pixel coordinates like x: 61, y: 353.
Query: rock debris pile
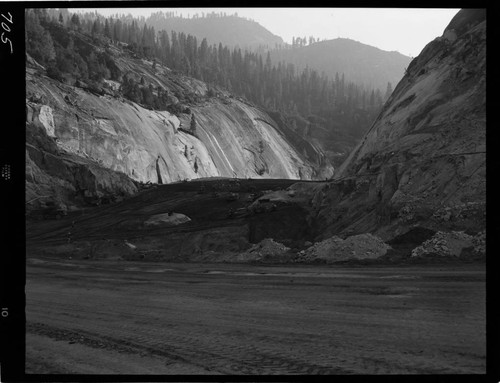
x: 334, y: 249
x: 479, y: 242
x: 267, y: 248
x: 446, y: 244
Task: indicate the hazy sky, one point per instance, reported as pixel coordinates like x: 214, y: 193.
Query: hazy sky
x: 406, y: 30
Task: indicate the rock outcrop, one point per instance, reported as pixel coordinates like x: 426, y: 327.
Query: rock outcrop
x: 232, y: 138
x: 54, y: 177
x: 229, y: 138
x: 423, y: 161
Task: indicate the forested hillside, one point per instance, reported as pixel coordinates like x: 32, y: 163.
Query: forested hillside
x: 332, y: 111
x: 360, y: 63
x: 99, y: 115
x: 229, y: 30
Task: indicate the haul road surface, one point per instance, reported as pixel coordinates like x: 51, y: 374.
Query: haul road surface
x: 98, y: 317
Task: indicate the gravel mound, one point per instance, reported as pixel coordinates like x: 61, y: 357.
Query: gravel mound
x: 446, y: 244
x: 334, y: 249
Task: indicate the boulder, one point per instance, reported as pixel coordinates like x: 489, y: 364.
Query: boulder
x: 46, y: 118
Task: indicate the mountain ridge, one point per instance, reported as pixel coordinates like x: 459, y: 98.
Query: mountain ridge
x: 245, y: 33
x: 348, y: 56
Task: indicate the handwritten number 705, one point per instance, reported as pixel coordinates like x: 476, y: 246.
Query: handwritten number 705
x: 6, y: 28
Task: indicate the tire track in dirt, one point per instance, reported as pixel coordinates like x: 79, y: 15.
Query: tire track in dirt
x: 216, y: 343
x: 226, y: 357
x: 252, y: 363
x: 260, y: 325
x: 191, y: 346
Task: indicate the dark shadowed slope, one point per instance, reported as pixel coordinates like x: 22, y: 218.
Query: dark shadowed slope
x: 224, y: 218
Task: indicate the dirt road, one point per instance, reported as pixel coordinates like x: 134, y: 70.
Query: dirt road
x: 162, y: 318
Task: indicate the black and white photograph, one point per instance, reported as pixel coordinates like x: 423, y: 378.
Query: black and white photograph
x: 253, y: 191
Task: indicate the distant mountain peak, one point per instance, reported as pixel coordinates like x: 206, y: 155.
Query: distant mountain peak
x: 347, y: 40
x: 360, y: 63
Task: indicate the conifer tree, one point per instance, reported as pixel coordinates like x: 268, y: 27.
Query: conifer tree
x: 193, y: 124
x: 107, y: 30
x: 253, y: 75
x: 75, y: 21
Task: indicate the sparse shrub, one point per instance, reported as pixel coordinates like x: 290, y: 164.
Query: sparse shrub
x: 193, y: 124
x: 55, y: 73
x: 261, y: 146
x: 94, y: 87
x: 174, y: 109
x: 210, y: 92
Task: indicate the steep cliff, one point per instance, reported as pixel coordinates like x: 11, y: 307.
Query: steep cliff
x: 228, y: 137
x: 423, y: 161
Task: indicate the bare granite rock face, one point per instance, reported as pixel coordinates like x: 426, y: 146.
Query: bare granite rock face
x: 100, y: 130
x: 423, y: 161
x: 231, y: 139
x: 56, y: 177
x: 46, y: 118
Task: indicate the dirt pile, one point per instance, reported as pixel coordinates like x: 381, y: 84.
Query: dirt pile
x: 266, y: 251
x: 450, y: 244
x: 334, y: 249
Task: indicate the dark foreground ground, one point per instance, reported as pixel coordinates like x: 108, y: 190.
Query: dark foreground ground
x: 103, y: 317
